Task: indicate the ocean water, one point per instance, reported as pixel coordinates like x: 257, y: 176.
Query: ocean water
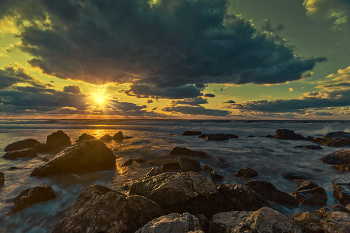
x: 155, y: 138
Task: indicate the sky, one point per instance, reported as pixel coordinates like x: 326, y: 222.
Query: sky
x: 183, y: 59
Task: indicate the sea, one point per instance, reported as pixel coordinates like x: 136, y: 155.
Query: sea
x: 271, y: 158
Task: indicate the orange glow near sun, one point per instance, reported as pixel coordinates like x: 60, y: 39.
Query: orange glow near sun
x: 100, y: 96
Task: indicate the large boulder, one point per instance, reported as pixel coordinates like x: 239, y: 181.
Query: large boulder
x: 106, y: 137
x: 286, y: 134
x: 192, y: 192
x: 118, y: 136
x: 341, y: 189
x: 246, y: 173
x: 85, y: 136
x: 85, y: 156
x: 23, y: 144
x: 172, y: 223
x: 59, y: 139
x: 187, y: 165
x: 190, y: 133
x: 188, y: 152
x: 46, y: 148
x: 32, y: 196
x: 338, y: 134
x: 334, y: 218
x: 342, y: 167
x: 271, y: 193
x: 334, y: 142
x: 24, y: 153
x: 341, y: 156
x: 101, y: 209
x: 262, y: 220
x: 311, y: 196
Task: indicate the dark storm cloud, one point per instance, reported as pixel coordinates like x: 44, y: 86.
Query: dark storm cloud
x: 72, y: 89
x: 209, y: 95
x: 194, y: 101
x: 229, y: 102
x: 12, y: 75
x: 149, y: 101
x: 191, y: 110
x: 267, y: 26
x: 169, y: 44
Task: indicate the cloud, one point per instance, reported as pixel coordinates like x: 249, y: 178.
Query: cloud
x: 339, y: 80
x: 229, y: 102
x: 291, y: 89
x: 209, y: 95
x: 194, y: 101
x: 149, y: 101
x: 72, y: 89
x: 199, y: 110
x: 267, y: 26
x: 171, y: 44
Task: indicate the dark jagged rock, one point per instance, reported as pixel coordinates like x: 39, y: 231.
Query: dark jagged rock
x: 118, y: 136
x: 172, y: 223
x: 246, y: 173
x: 310, y: 138
x: 101, y: 209
x: 309, y: 193
x: 85, y: 136
x: 270, y: 136
x: 207, y: 168
x: 230, y: 135
x: 154, y: 171
x: 170, y: 167
x: 59, y: 139
x: 203, y: 136
x: 139, y: 159
x: 333, y: 142
x: 271, y: 193
x: 127, y: 163
x: 85, y: 156
x: 263, y: 220
x: 304, y: 185
x: 312, y: 147
x: 335, y: 218
x: 2, y: 179
x: 16, y: 154
x: 216, y: 176
x: 217, y: 137
x: 339, y: 134
x: 341, y: 156
x: 190, y: 133
x: 251, y: 136
x: 185, y: 151
x: 106, y: 137
x: 45, y: 148
x: 298, y: 176
x: 341, y: 189
x: 286, y: 134
x: 342, y: 167
x: 46, y: 158
x: 32, y: 196
x: 203, y: 222
x: 187, y: 165
x: 23, y: 144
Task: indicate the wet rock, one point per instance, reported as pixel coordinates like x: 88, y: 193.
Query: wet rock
x: 86, y: 156
x: 339, y: 134
x: 246, y: 173
x: 305, y: 185
x: 163, y: 160
x: 334, y: 142
x: 203, y: 222
x: 127, y: 163
x: 45, y: 148
x: 85, y: 136
x: 341, y: 156
x: 190, y: 133
x: 207, y: 168
x: 139, y: 159
x: 341, y: 188
x: 308, y: 222
x: 271, y: 193
x: 203, y: 136
x: 172, y: 223
x: 312, y: 196
x: 106, y: 137
x: 298, y: 176
x: 270, y: 136
x: 216, y: 176
x: 2, y: 179
x: 187, y: 165
x: 230, y: 135
x: 59, y: 139
x: 118, y: 136
x: 24, y: 153
x: 46, y: 158
x: 342, y: 167
x: 13, y: 168
x: 310, y: 138
x: 217, y: 137
x: 312, y: 147
x: 31, y: 196
x: 286, y: 134
x: 170, y: 167
x: 187, y: 152
x: 23, y: 144
x: 262, y: 220
x: 251, y: 136
x: 101, y: 209
x: 154, y: 171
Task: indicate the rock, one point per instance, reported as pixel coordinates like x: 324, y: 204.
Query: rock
x: 334, y: 142
x: 139, y: 159
x: 342, y: 167
x: 45, y: 148
x: 251, y: 136
x: 187, y: 152
x: 23, y: 144
x: 24, y: 153
x: 341, y: 189
x: 305, y: 185
x: 298, y: 176
x: 313, y: 196
x: 217, y: 137
x: 310, y: 138
x: 154, y: 171
x: 339, y: 134
x: 172, y: 223
x: 271, y: 193
x: 118, y: 136
x: 85, y: 136
x: 163, y: 160
x: 336, y: 222
x: 270, y: 136
x: 216, y: 176
x: 190, y: 133
x: 207, y: 168
x: 106, y: 137
x: 262, y: 220
x: 286, y: 134
x: 46, y: 158
x: 13, y: 168
x: 86, y: 156
x: 203, y: 136
x: 59, y: 139
x: 31, y: 196
x: 341, y: 156
x: 101, y: 209
x: 230, y: 135
x: 170, y: 167
x: 2, y: 179
x: 312, y: 147
x: 187, y: 165
x: 203, y: 222
x: 246, y: 173
x: 308, y: 222
x: 127, y: 163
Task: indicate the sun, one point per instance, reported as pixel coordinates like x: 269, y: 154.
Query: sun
x: 100, y: 96
x: 99, y: 99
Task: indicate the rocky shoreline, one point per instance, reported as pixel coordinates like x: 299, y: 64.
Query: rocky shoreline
x: 175, y: 197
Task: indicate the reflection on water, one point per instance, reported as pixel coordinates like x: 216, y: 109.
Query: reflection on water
x: 153, y: 139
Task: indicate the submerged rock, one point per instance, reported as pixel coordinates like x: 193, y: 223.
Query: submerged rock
x: 309, y: 193
x: 342, y: 167
x: 118, y: 136
x: 286, y: 134
x: 190, y: 133
x: 188, y: 152
x: 86, y: 156
x: 85, y: 136
x: 298, y: 176
x: 312, y: 147
x: 172, y: 223
x: 2, y: 179
x: 262, y: 220
x: 341, y: 156
x: 217, y: 137
x: 187, y: 165
x: 341, y: 189
x: 59, y: 139
x: 106, y: 137
x: 32, y: 196
x: 271, y: 193
x: 246, y: 173
x: 23, y: 144
x: 25, y: 153
x: 101, y: 209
